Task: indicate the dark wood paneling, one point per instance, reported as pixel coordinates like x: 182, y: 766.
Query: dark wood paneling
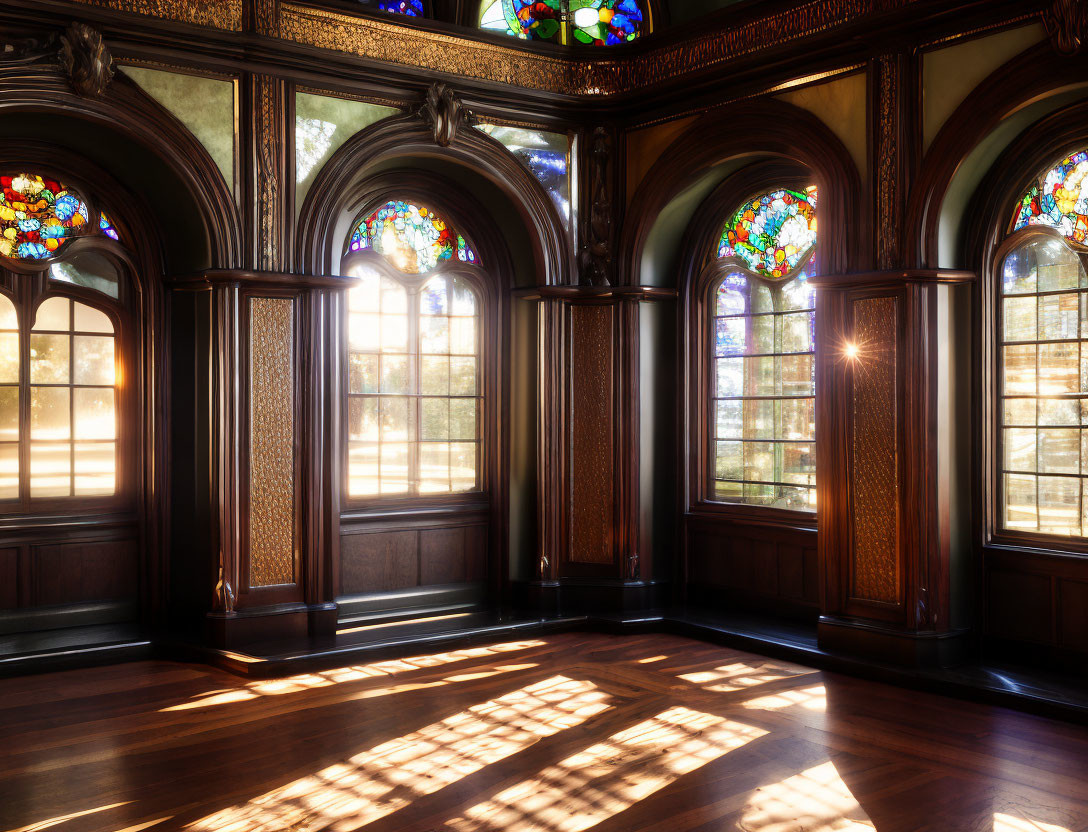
x: 1073, y: 615
x: 762, y: 563
x: 71, y: 573
x: 9, y: 579
x: 382, y: 561
x: 1019, y: 606
x: 379, y: 562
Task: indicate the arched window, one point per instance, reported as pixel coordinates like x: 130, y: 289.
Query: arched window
x: 592, y: 22
x: 1042, y: 357
x: 413, y: 338
x: 761, y: 380
x: 60, y: 423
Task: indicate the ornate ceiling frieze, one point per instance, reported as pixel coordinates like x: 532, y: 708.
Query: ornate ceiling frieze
x: 217, y: 14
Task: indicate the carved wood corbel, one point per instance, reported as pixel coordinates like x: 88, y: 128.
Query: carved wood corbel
x: 1066, y: 23
x: 595, y: 259
x: 443, y: 111
x: 86, y: 60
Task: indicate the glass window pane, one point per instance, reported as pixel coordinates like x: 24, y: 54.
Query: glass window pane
x: 362, y: 373
x: 463, y: 419
x: 1020, y: 318
x: 50, y: 414
x: 363, y: 419
x: 395, y: 374
x: 9, y: 471
x: 9, y: 358
x: 463, y: 336
x: 796, y: 419
x: 798, y: 375
x: 731, y: 336
x: 435, y: 376
x: 49, y: 359
x: 434, y: 335
x: 8, y: 318
x: 797, y: 332
x: 1020, y: 502
x: 1059, y: 505
x: 732, y: 296
x: 89, y: 319
x: 394, y: 462
x: 730, y: 421
x: 463, y: 466
x: 730, y: 376
x: 462, y: 376
x: 95, y: 417
x: 395, y: 419
x: 362, y: 470
x: 1020, y: 449
x: 759, y: 461
x: 93, y: 361
x: 95, y: 469
x: 53, y: 314
x: 1059, y: 368
x: 434, y: 467
x: 1059, y: 412
x: 759, y: 376
x: 9, y: 414
x: 50, y: 470
x: 729, y: 461
x: 1059, y: 451
x: 1020, y: 411
x: 364, y: 332
x: 759, y: 419
x: 436, y: 420
x: 1059, y: 317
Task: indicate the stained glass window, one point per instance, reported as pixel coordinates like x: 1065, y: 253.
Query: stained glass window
x: 546, y: 155
x: 73, y: 418
x: 762, y: 334
x: 1059, y: 200
x: 1044, y: 389
x: 38, y: 216
x: 596, y: 22
x: 105, y: 224
x: 606, y: 22
x: 772, y: 233
x: 414, y: 403
x: 411, y: 237
x: 412, y: 8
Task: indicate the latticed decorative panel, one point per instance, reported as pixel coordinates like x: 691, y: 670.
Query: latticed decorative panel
x: 591, y: 426
x: 271, y: 442
x: 875, y: 476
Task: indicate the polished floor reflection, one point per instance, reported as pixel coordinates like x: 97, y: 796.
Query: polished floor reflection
x: 560, y: 734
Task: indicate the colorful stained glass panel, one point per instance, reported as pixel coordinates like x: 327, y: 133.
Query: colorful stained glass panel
x: 1059, y: 200
x: 37, y: 216
x: 606, y: 22
x: 773, y: 233
x: 413, y: 238
x: 527, y: 19
x: 413, y: 8
x: 105, y: 224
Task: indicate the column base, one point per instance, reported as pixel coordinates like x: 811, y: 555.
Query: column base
x: 879, y: 642
x: 586, y: 595
x: 235, y: 630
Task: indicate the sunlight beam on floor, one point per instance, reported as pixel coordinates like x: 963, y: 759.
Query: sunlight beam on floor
x: 386, y: 778
x: 611, y: 776
x: 816, y: 800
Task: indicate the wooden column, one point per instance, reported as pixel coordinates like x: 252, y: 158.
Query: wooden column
x: 590, y: 516
x: 272, y: 466
x: 888, y: 460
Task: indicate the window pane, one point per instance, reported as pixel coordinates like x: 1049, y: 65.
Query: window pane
x: 92, y: 360
x: 95, y: 469
x: 49, y: 359
x: 9, y: 414
x: 94, y: 413
x: 50, y: 470
x: 89, y: 319
x: 9, y: 471
x: 50, y: 413
x: 53, y: 314
x: 8, y: 319
x: 9, y: 358
x: 1044, y: 384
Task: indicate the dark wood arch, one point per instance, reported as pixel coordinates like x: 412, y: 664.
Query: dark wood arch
x: 767, y: 128
x: 337, y: 186
x: 1026, y: 78
x: 127, y: 110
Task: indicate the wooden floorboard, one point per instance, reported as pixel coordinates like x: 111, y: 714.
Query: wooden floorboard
x: 559, y: 733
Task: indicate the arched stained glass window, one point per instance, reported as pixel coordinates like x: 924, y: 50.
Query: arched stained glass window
x: 38, y: 216
x: 762, y: 355
x: 414, y: 393
x: 1042, y: 358
x: 411, y: 237
x: 596, y: 22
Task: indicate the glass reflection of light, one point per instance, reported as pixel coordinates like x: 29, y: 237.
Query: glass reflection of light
x: 816, y: 800
x: 611, y: 776
x: 384, y: 779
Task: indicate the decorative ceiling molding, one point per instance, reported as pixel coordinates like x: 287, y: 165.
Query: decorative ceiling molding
x: 516, y: 65
x: 216, y: 14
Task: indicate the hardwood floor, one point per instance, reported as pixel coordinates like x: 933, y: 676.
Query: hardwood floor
x: 561, y: 733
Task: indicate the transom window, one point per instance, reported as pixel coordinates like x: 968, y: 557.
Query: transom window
x: 591, y: 22
x: 1042, y: 358
x: 762, y: 336
x: 414, y: 393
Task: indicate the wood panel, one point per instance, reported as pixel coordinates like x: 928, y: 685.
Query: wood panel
x: 574, y: 731
x: 1036, y: 598
x: 70, y: 573
x: 383, y: 561
x: 732, y: 563
x: 9, y: 579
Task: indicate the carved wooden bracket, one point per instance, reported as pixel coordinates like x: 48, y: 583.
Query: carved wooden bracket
x: 595, y: 260
x: 1067, y: 24
x: 444, y: 113
x: 223, y: 599
x: 86, y: 60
